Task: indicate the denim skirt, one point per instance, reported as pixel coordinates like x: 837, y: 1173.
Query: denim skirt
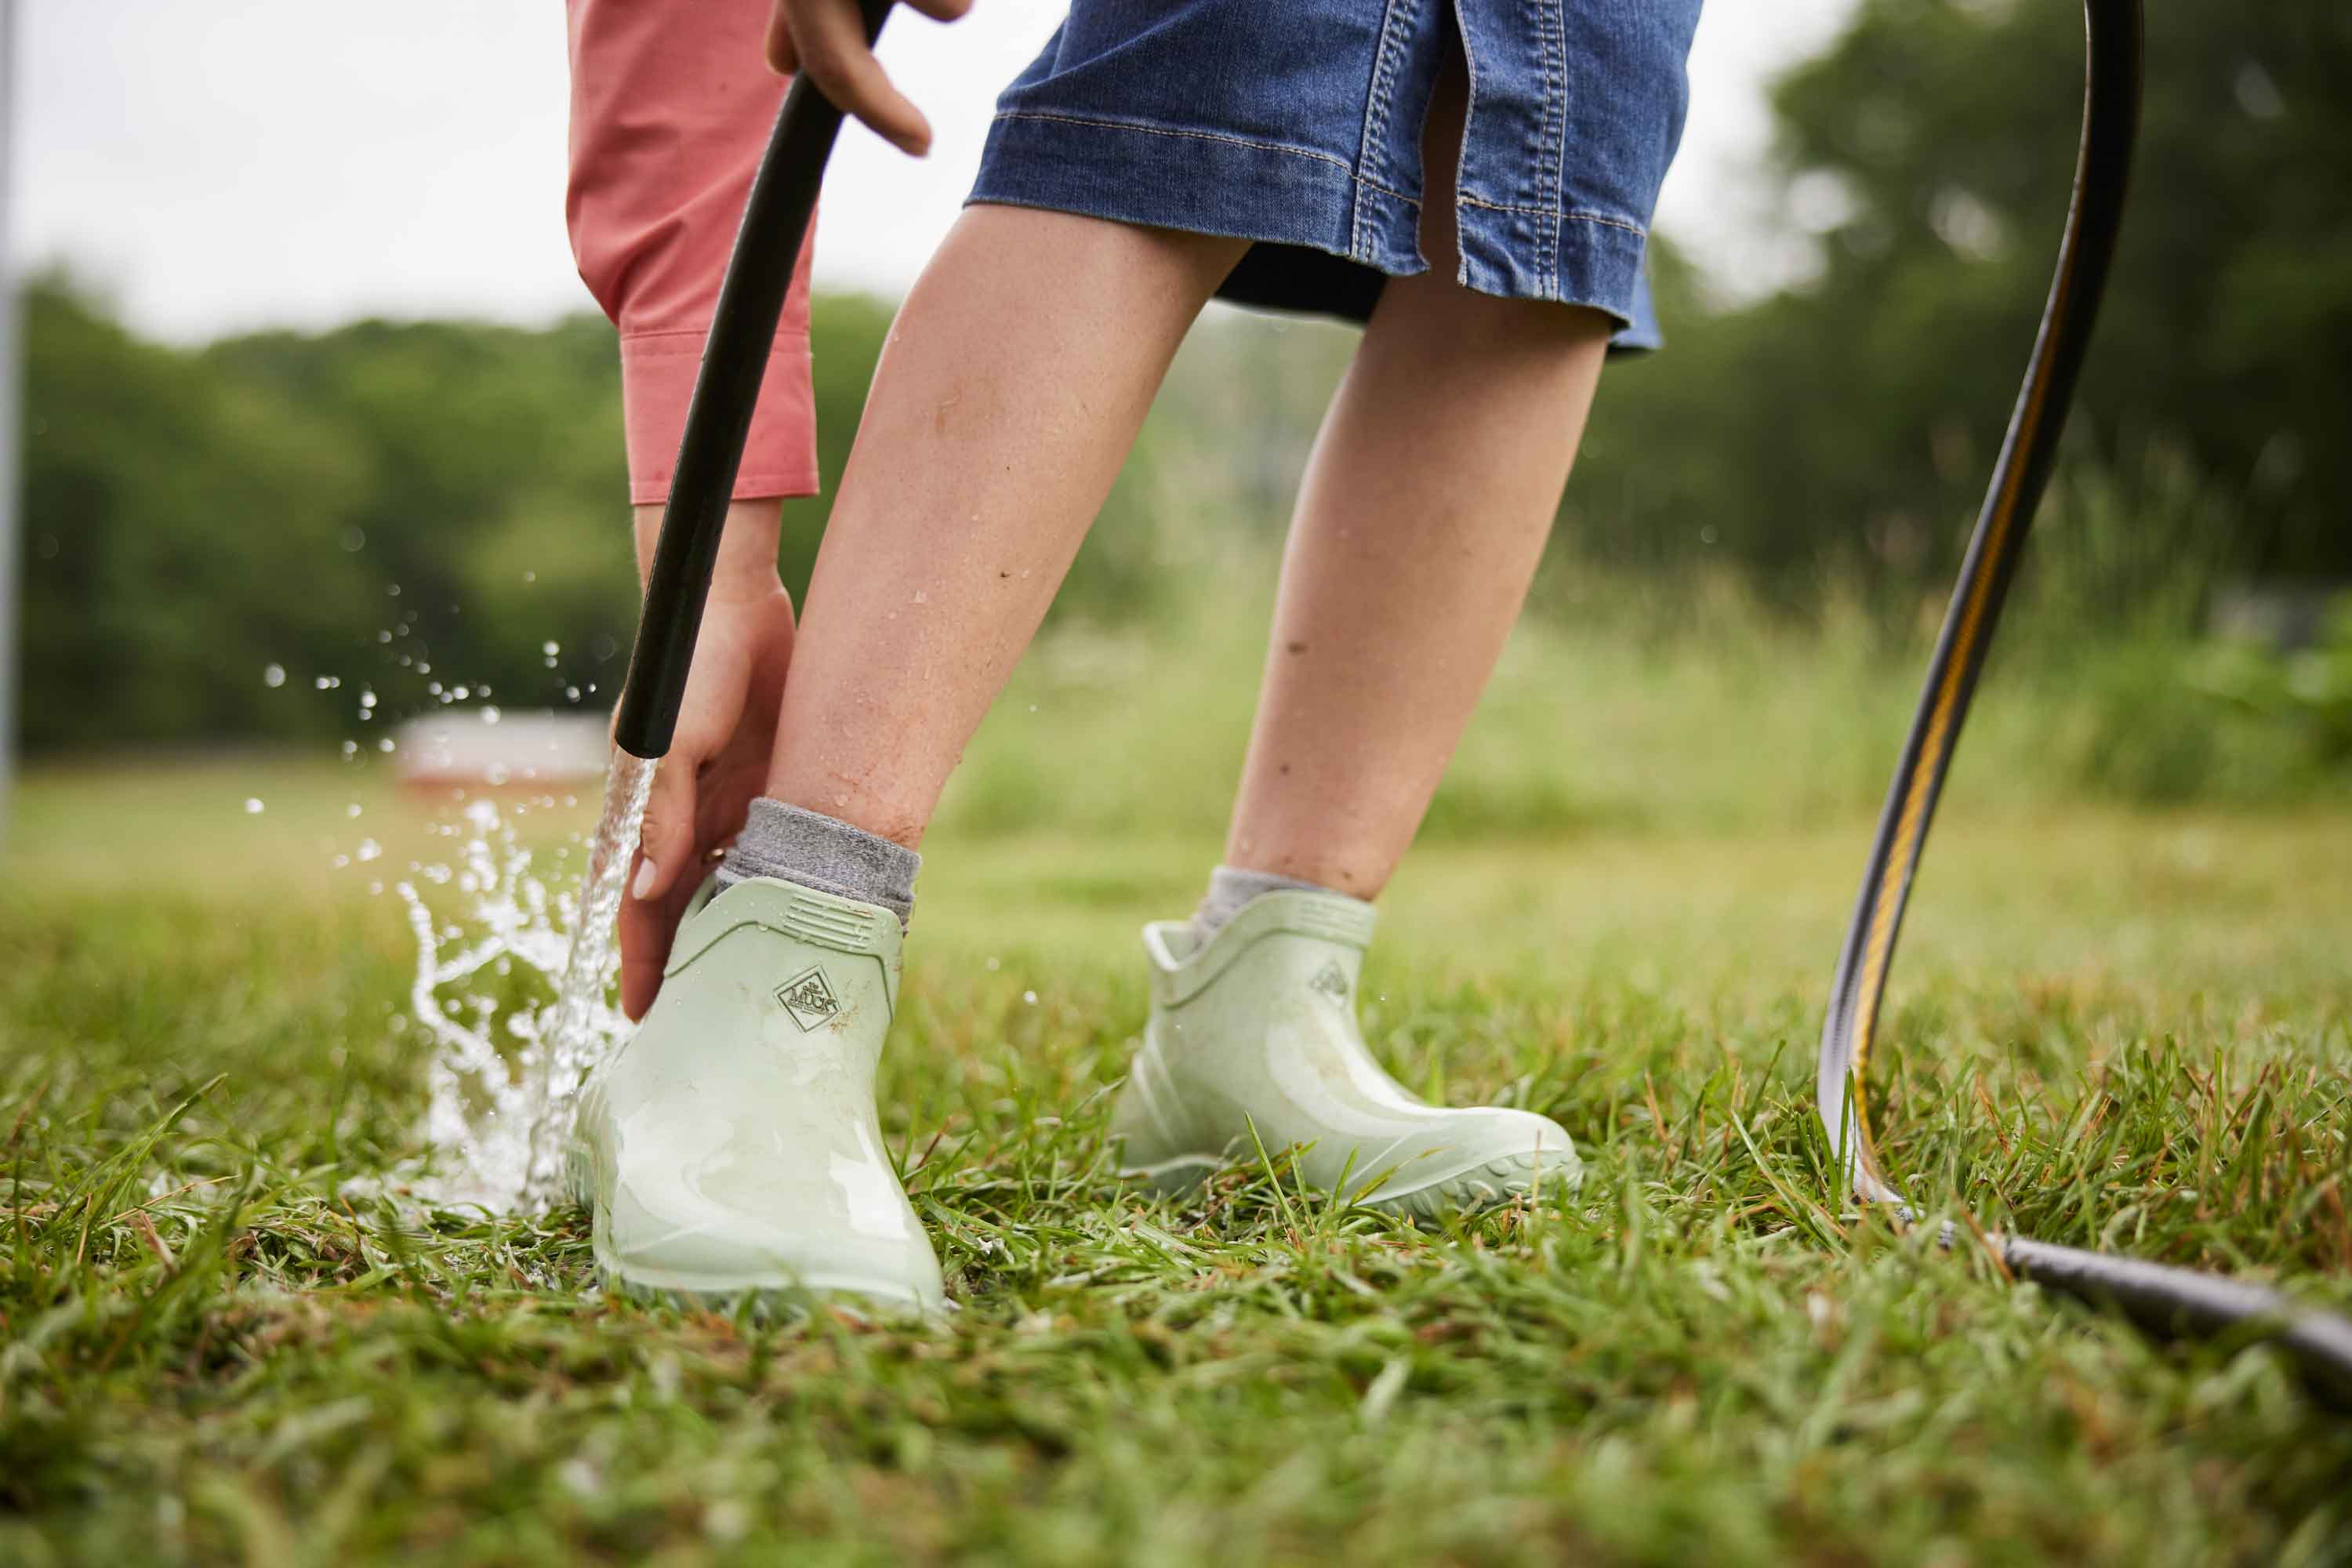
x: 1298, y: 123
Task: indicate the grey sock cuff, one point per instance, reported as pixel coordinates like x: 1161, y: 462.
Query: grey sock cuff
x: 1229, y: 889
x: 792, y: 845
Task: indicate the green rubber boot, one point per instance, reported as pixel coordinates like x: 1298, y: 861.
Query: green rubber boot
x: 731, y: 1146
x: 1257, y: 1029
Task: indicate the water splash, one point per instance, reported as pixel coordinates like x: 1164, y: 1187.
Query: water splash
x: 515, y: 997
x: 582, y: 1008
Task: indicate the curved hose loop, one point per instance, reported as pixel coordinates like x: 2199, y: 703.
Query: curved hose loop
x: 2110, y: 121
x: 2163, y: 1300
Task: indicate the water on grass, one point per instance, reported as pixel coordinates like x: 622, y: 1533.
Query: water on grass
x: 515, y: 996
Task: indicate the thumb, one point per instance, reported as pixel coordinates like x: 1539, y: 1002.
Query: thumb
x: 659, y: 886
x: 666, y: 847
x: 783, y: 58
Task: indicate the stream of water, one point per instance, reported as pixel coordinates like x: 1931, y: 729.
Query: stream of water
x: 583, y: 1027
x: 514, y: 997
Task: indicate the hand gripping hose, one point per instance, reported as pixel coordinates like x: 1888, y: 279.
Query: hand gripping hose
x: 719, y: 417
x: 2163, y: 1300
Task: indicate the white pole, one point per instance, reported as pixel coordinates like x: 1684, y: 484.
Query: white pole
x: 10, y: 416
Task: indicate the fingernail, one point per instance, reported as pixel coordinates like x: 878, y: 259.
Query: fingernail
x: 645, y: 883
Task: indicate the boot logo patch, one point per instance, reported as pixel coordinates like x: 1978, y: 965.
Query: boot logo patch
x: 1330, y: 981
x: 809, y: 998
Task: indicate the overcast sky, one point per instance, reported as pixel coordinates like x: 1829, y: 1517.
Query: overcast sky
x: 221, y: 165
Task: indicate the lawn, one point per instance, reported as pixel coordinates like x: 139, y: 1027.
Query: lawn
x: 226, y: 1340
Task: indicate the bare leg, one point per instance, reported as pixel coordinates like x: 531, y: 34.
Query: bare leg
x: 1013, y: 386
x: 1423, y: 512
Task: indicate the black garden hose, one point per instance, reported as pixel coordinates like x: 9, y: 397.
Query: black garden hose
x: 2163, y: 1300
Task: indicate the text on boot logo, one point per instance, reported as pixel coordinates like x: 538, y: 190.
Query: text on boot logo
x: 1331, y: 982
x: 808, y: 998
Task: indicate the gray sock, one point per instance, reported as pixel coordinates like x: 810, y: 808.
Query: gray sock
x: 825, y: 853
x: 1229, y: 889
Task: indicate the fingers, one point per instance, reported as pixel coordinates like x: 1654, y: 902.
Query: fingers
x: 648, y: 927
x: 659, y: 885
x: 781, y: 58
x: 825, y: 40
x: 669, y: 868
x: 666, y: 843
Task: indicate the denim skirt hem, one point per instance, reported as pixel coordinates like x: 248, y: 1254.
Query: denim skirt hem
x: 1308, y: 202
x: 1299, y: 125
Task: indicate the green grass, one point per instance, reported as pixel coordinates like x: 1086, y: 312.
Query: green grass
x: 218, y: 1343
x: 221, y: 1339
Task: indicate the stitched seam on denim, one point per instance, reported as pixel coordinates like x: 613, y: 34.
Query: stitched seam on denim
x: 1340, y: 164
x: 1462, y: 154
x: 1383, y: 190
x: 1553, y: 133
x: 1573, y: 215
x: 1370, y: 149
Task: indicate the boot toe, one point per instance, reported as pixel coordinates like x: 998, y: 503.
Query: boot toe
x: 712, y: 1257
x: 1474, y: 1159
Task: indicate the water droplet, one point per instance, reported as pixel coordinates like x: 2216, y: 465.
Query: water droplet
x: 369, y: 849
x: 252, y: 807
x: 355, y: 539
x: 352, y: 809
x: 1030, y: 997
x: 551, y: 648
x: 351, y: 748
x: 273, y: 675
x: 385, y: 744
x: 490, y: 714
x: 531, y: 576
x: 327, y: 682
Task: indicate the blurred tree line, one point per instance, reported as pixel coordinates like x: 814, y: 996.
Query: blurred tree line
x: 401, y: 509
x: 1847, y: 424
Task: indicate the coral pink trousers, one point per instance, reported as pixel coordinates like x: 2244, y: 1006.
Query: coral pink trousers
x: 671, y: 104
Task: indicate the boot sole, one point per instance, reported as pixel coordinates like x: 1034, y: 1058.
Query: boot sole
x: 770, y: 1300
x: 1472, y: 1188
x: 775, y: 1303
